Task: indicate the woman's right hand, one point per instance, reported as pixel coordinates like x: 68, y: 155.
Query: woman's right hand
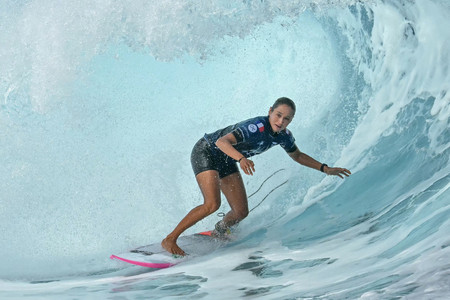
x: 247, y: 166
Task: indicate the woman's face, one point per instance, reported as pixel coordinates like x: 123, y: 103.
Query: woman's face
x: 280, y: 117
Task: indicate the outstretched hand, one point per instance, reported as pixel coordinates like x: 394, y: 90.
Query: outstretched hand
x: 337, y: 171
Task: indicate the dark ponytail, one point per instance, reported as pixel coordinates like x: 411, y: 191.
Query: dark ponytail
x: 285, y: 101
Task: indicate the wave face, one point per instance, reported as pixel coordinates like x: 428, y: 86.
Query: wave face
x: 102, y: 102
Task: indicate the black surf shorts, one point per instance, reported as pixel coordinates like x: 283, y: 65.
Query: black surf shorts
x: 202, y: 160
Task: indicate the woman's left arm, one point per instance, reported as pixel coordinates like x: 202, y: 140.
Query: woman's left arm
x: 308, y: 161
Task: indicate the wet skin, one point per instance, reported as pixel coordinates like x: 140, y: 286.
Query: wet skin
x: 232, y: 185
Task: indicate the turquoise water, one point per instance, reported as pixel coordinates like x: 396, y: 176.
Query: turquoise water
x: 102, y: 102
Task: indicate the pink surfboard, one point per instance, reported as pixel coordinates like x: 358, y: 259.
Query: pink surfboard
x: 156, y: 257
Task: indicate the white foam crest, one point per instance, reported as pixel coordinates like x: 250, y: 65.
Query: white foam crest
x: 45, y: 43
x: 172, y: 29
x: 409, y: 59
x: 99, y: 156
x: 397, y: 73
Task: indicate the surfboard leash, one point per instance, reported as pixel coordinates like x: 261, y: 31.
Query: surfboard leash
x: 265, y: 181
x: 268, y: 195
x: 221, y: 214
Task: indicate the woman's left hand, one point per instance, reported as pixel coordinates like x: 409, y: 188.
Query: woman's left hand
x: 337, y: 171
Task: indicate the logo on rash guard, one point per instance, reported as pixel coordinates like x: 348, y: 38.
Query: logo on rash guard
x: 261, y: 127
x: 252, y: 128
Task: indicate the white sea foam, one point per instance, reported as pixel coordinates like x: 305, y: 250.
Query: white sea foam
x: 102, y: 102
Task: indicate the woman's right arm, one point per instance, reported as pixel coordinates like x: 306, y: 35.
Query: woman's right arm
x: 226, y: 143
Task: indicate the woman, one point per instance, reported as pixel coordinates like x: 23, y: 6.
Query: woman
x: 214, y: 160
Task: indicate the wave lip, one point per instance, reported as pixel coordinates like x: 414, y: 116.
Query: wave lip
x: 87, y: 152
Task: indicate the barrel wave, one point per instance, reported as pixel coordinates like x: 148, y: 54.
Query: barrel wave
x: 101, y: 104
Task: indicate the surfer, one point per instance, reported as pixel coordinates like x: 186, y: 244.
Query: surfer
x: 215, y: 157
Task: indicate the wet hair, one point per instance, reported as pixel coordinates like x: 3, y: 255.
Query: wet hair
x: 283, y: 101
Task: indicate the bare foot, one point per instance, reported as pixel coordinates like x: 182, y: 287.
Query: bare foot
x: 171, y: 246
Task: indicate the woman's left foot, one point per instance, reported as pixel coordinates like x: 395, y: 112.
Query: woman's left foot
x: 221, y: 230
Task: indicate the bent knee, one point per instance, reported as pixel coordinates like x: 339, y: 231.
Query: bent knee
x: 212, y: 207
x: 242, y: 214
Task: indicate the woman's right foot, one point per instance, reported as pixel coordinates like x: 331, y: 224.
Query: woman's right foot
x: 171, y: 246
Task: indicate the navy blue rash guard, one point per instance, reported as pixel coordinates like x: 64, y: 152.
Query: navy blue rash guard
x: 254, y: 136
